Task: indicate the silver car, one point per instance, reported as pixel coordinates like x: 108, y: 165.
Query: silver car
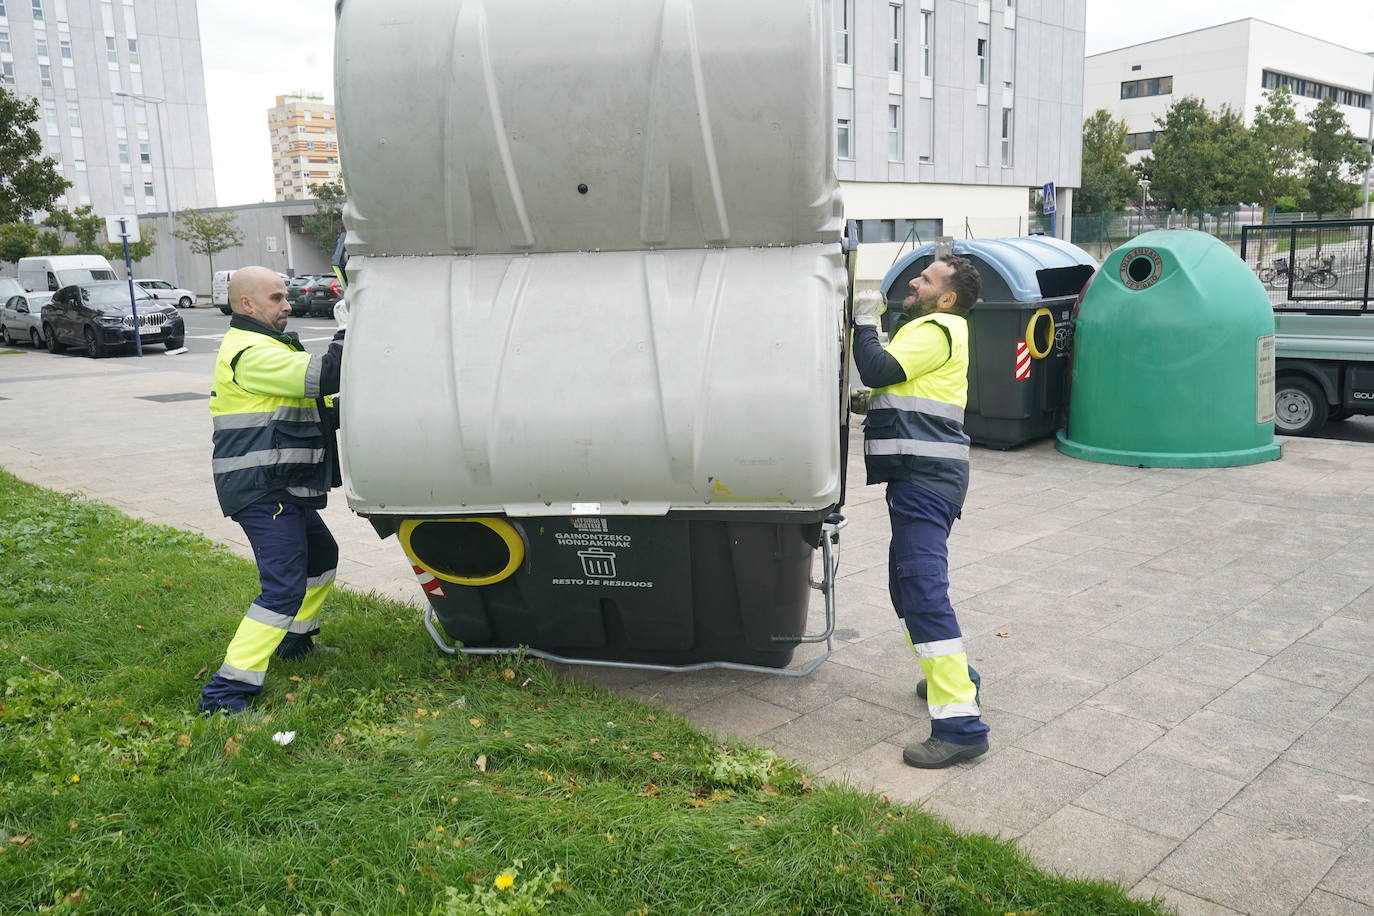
x: 21, y: 318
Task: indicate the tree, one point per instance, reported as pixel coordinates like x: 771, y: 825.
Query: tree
x: 1108, y: 182
x: 1276, y: 155
x: 17, y: 241
x: 87, y: 236
x: 1332, y: 154
x: 1198, y: 160
x: 29, y: 181
x: 326, y: 222
x: 208, y: 234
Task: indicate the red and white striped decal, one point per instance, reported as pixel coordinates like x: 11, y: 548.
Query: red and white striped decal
x: 428, y: 582
x: 1023, y: 361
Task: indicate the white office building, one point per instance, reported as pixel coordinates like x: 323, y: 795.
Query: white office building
x: 949, y: 111
x: 121, y: 93
x: 1231, y: 64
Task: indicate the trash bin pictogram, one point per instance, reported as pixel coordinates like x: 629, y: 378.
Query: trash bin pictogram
x: 598, y: 563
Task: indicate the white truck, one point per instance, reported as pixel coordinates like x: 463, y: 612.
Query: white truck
x: 52, y: 272
x: 595, y: 372
x: 1321, y: 277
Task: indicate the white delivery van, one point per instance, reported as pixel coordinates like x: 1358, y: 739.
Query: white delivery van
x: 53, y: 272
x: 219, y: 290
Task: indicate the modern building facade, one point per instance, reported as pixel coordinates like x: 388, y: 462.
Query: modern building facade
x: 1232, y: 64
x: 949, y: 111
x: 121, y: 92
x: 305, y: 144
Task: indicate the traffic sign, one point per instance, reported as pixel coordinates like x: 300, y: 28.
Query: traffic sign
x: 115, y: 232
x: 1048, y: 203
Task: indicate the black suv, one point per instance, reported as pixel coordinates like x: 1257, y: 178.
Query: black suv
x: 97, y: 316
x: 324, y: 293
x: 296, y: 290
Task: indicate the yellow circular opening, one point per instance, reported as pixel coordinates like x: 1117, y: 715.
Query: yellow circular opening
x: 482, y: 551
x: 1040, y: 352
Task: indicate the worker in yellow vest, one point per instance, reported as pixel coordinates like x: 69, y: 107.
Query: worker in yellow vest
x: 274, y: 462
x: 914, y: 441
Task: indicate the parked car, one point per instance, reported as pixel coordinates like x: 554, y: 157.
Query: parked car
x: 21, y: 318
x: 323, y: 295
x: 297, y: 290
x: 97, y: 316
x: 163, y: 291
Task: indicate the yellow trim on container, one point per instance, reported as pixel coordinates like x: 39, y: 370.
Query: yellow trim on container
x: 515, y: 546
x: 1035, y: 351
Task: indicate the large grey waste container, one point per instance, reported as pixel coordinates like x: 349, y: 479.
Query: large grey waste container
x: 1015, y: 394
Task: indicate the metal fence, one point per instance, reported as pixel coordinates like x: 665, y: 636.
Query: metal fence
x: 1313, y: 266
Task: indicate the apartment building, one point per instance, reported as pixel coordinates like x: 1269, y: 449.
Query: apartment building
x: 121, y: 93
x: 948, y: 113
x: 1230, y: 64
x: 305, y: 144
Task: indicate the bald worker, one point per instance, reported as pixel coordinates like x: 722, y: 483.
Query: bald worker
x: 274, y: 461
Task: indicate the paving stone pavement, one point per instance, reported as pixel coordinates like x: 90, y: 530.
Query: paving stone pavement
x: 1176, y: 663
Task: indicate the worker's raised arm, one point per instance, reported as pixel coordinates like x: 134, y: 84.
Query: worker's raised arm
x: 278, y: 372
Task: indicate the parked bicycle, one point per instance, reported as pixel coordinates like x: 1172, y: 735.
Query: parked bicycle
x: 1318, y: 272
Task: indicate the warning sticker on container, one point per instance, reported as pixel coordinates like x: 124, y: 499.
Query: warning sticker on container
x: 1023, y: 361
x: 1264, y: 379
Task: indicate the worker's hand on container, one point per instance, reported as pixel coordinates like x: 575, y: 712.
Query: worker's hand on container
x: 858, y: 400
x: 341, y: 313
x: 869, y: 306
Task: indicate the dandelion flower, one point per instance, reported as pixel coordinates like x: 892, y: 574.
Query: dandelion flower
x: 504, y: 881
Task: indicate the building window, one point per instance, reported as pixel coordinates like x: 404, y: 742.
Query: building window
x: 1006, y: 136
x: 74, y: 118
x: 1139, y: 89
x: 4, y: 41
x: 927, y: 40
x: 45, y: 76
x: 1312, y: 89
x: 65, y: 46
x: 894, y: 133
x: 42, y: 44
x: 982, y: 62
x: 50, y: 117
x: 844, y: 31
x: 133, y: 52
x: 148, y: 193
x: 37, y: 10
x: 128, y: 193
x: 894, y: 38
x: 123, y: 147
x: 7, y: 73
x: 2, y: 7
x: 144, y: 153
x: 842, y: 147
x: 111, y: 49
x: 1142, y: 140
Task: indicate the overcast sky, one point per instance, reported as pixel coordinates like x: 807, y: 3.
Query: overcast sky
x: 257, y: 50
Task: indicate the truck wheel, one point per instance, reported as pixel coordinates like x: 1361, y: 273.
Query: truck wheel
x: 1299, y: 407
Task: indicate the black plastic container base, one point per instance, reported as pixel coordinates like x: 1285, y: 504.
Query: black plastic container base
x: 653, y: 591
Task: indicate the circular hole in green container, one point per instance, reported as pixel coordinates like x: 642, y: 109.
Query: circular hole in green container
x: 463, y: 549
x: 1140, y: 269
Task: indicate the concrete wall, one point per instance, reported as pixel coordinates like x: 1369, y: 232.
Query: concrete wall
x: 272, y: 237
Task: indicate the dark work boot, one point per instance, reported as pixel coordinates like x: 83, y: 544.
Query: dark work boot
x: 972, y: 675
x: 934, y: 753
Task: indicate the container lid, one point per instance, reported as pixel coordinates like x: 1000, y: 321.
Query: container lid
x: 1018, y: 261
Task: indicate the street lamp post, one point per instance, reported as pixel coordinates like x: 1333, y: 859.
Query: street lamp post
x: 166, y: 173
x: 1144, y: 193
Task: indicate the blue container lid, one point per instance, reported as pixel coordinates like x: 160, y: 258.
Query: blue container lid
x: 1016, y: 261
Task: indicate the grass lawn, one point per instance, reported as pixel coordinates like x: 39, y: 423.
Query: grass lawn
x: 414, y: 783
